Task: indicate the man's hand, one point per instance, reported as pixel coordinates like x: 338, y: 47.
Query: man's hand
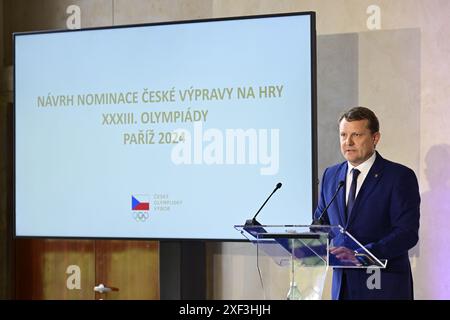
x: 345, y: 255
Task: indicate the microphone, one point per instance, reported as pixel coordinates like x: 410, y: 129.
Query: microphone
x: 253, y: 221
x: 319, y: 220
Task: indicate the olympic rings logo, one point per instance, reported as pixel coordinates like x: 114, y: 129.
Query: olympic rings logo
x: 140, y: 216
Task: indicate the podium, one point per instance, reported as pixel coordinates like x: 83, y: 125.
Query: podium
x: 300, y: 256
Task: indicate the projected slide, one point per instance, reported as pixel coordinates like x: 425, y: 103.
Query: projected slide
x: 163, y: 131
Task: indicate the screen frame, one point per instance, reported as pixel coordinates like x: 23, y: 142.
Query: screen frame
x: 314, y: 159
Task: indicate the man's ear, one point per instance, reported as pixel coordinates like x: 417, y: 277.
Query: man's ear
x: 376, y: 138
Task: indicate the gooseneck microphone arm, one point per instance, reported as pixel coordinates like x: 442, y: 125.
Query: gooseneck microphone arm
x: 319, y: 220
x: 253, y: 220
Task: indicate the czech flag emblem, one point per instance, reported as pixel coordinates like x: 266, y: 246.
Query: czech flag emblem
x: 140, y: 203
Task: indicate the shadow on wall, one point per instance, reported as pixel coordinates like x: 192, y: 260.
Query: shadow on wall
x: 434, y: 262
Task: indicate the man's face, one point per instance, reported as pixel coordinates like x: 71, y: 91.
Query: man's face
x: 357, y: 142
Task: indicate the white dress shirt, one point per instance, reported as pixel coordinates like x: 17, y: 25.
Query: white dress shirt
x: 364, y: 169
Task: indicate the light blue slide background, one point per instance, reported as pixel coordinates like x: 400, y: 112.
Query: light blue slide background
x: 75, y: 177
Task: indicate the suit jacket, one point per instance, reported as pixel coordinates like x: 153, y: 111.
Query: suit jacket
x: 384, y: 218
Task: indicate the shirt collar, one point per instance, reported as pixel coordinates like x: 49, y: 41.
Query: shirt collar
x: 363, y: 167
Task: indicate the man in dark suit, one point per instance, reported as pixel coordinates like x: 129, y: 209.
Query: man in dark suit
x: 378, y: 206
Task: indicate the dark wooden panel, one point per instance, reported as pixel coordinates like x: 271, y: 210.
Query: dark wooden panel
x: 130, y: 268
x: 6, y: 206
x: 48, y: 269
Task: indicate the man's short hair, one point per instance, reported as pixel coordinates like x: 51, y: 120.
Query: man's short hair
x: 361, y: 113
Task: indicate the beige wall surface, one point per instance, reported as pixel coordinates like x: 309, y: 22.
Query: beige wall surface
x: 391, y: 56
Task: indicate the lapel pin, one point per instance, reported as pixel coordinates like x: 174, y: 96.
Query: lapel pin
x: 376, y: 175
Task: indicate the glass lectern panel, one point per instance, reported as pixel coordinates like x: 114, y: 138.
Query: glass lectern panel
x: 301, y: 255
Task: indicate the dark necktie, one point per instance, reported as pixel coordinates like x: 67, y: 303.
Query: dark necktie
x: 352, y: 193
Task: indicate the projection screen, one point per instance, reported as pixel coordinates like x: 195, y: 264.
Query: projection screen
x: 173, y: 130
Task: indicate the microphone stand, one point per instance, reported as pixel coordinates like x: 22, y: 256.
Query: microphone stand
x: 253, y: 221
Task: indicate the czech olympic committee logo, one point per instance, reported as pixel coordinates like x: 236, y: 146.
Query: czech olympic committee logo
x: 140, y: 207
